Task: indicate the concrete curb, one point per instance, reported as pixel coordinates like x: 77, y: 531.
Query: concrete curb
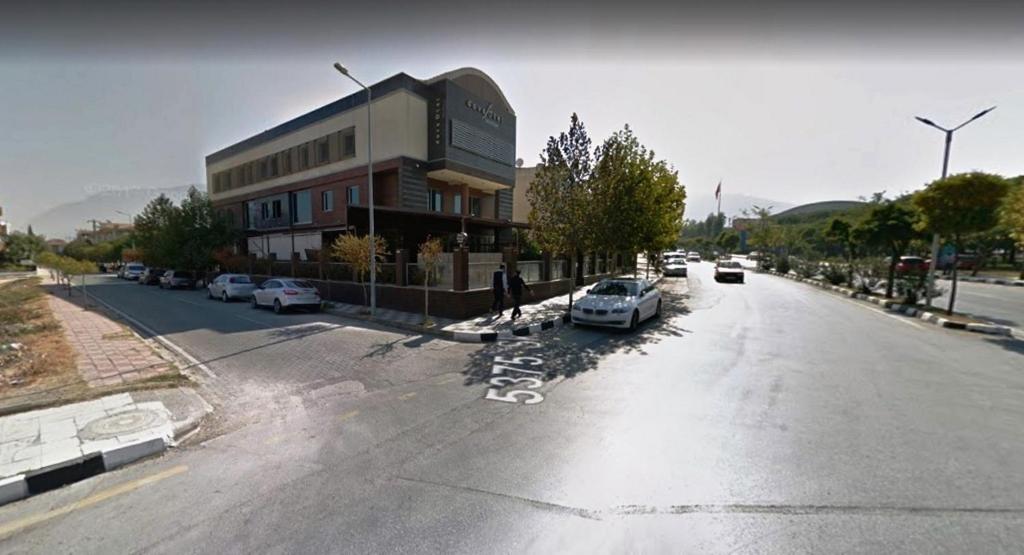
x: 893, y: 306
x: 991, y: 281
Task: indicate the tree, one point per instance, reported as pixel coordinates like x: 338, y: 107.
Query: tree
x: 561, y: 218
x: 960, y: 205
x: 158, y: 233
x: 430, y: 252
x: 729, y: 240
x: 354, y: 250
x: 637, y: 200
x: 891, y: 226
x: 206, y: 230
x: 20, y: 246
x: 1012, y: 215
x: 840, y: 233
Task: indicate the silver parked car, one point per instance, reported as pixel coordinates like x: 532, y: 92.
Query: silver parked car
x: 230, y: 286
x: 285, y: 293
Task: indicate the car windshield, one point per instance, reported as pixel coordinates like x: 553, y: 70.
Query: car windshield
x: 240, y: 279
x: 616, y: 288
x: 729, y: 264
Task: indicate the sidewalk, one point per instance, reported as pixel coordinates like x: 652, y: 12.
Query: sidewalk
x: 46, y: 448
x: 537, y: 317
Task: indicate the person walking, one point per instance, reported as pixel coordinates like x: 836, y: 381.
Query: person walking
x: 499, y: 283
x: 515, y: 287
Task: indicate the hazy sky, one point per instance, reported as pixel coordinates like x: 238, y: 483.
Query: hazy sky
x: 784, y: 101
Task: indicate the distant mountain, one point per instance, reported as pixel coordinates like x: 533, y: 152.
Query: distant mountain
x: 824, y: 207
x: 62, y: 220
x: 699, y: 206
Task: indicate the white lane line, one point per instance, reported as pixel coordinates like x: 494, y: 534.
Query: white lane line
x: 902, y: 320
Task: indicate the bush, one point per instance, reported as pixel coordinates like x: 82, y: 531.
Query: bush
x: 807, y: 268
x: 869, y: 273
x: 783, y: 266
x: 834, y: 273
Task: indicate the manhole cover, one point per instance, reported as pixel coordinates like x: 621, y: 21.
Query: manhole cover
x: 122, y: 423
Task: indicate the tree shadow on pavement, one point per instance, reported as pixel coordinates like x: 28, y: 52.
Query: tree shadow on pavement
x: 1009, y: 343
x: 566, y: 353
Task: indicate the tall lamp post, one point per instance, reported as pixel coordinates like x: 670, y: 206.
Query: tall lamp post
x: 131, y: 220
x: 945, y: 168
x: 369, y: 161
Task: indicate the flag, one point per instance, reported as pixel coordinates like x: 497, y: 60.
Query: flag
x: 718, y: 191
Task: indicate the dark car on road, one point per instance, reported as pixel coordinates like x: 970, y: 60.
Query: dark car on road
x: 173, y: 279
x: 151, y: 276
x: 911, y: 265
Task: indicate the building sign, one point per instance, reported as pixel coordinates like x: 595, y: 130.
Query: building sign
x: 490, y: 116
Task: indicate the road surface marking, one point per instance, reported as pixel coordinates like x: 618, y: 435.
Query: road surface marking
x: 446, y: 381
x: 902, y: 320
x: 407, y: 396
x: 349, y: 415
x: 21, y: 524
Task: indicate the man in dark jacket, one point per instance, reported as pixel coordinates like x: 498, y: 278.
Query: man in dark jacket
x: 515, y: 287
x: 499, y: 284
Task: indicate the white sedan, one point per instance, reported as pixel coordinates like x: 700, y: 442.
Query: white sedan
x: 619, y: 303
x: 230, y: 286
x: 674, y: 266
x: 285, y: 293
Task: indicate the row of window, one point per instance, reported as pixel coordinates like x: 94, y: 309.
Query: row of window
x: 325, y: 150
x: 435, y: 199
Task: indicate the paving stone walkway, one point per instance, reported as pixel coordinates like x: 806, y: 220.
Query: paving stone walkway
x: 106, y: 352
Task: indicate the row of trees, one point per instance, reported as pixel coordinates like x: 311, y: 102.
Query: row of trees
x: 183, y: 237
x: 968, y: 210
x: 617, y: 197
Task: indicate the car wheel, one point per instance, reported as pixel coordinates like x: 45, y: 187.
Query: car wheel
x: 277, y: 307
x: 253, y: 302
x: 634, y: 321
x: 224, y: 297
x: 209, y: 294
x: 657, y: 313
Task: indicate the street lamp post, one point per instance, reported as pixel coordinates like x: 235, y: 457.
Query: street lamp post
x: 369, y: 162
x: 945, y: 168
x: 131, y: 221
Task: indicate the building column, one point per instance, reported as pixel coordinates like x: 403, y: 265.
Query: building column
x: 460, y: 269
x: 401, y: 259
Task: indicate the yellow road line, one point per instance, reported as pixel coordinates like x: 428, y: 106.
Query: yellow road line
x: 407, y: 396
x: 348, y: 415
x: 18, y: 525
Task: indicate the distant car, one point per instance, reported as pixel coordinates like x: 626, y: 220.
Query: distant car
x: 230, y: 286
x: 132, y: 270
x: 619, y: 303
x: 729, y: 270
x: 674, y: 266
x: 285, y: 293
x: 693, y: 257
x: 911, y: 265
x: 151, y: 276
x: 172, y: 279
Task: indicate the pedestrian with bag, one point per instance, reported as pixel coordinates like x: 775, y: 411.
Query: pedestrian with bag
x: 515, y: 287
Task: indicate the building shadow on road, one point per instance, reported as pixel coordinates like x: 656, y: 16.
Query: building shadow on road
x: 567, y: 354
x: 1009, y: 343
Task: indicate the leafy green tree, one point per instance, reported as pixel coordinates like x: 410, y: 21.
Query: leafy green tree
x: 20, y: 246
x: 561, y: 218
x: 159, y: 232
x: 960, y: 205
x: 354, y: 250
x: 638, y: 201
x: 206, y: 231
x: 1011, y: 214
x: 429, y: 256
x: 728, y: 240
x: 890, y: 226
x: 840, y: 233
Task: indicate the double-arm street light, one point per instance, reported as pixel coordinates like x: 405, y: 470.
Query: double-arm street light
x: 945, y: 168
x: 369, y: 162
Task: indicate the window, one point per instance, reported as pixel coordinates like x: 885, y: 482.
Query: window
x: 286, y: 162
x: 323, y: 152
x: 273, y: 166
x: 302, y: 207
x: 327, y: 200
x: 264, y: 169
x: 303, y: 157
x: 353, y: 195
x: 247, y: 177
x: 276, y: 208
x: 457, y: 203
x: 474, y: 206
x: 348, y: 143
x: 436, y: 201
x: 264, y: 211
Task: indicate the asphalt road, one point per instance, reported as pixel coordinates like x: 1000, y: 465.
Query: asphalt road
x: 1000, y: 304
x: 765, y: 417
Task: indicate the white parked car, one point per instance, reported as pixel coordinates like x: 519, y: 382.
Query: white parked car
x: 674, y: 265
x: 729, y: 270
x: 620, y: 303
x: 133, y: 270
x: 693, y: 257
x: 285, y: 293
x: 230, y: 286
